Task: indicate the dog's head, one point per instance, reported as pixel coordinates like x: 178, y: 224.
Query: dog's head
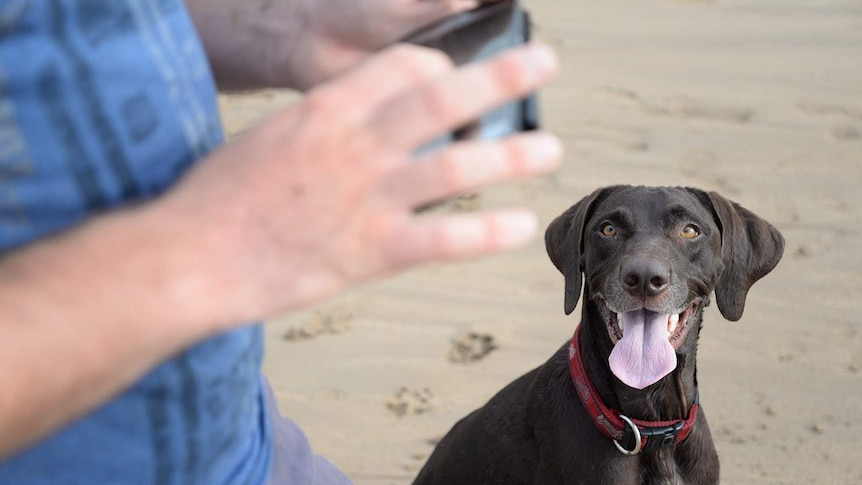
x: 651, y: 257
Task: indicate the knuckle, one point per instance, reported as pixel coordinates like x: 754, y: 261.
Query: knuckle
x: 322, y: 102
x: 449, y: 170
x: 400, y: 53
x: 434, y: 61
x: 516, y: 156
x: 510, y: 75
x: 439, y: 101
x: 421, y: 62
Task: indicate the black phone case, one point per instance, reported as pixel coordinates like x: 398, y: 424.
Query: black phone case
x: 477, y: 35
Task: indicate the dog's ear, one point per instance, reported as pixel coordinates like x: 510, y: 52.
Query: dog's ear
x: 750, y: 249
x: 564, y: 243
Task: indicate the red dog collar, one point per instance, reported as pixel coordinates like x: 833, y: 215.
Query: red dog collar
x: 631, y: 436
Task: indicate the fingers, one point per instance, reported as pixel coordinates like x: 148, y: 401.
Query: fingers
x: 471, y: 165
x: 462, y: 236
x: 450, y: 100
x: 380, y: 77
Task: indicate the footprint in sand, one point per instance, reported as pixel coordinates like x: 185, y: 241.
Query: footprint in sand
x: 409, y: 402
x: 844, y: 127
x: 687, y: 107
x: 617, y: 93
x: 471, y: 347
x: 845, y: 132
x: 679, y: 106
x: 333, y: 321
x: 813, y: 108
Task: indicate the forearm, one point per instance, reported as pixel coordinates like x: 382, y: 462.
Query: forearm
x: 85, y: 314
x: 248, y: 41
x: 301, y: 43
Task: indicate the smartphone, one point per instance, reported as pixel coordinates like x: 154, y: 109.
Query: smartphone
x: 474, y: 36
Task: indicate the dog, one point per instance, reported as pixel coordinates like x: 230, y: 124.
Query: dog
x: 619, y: 403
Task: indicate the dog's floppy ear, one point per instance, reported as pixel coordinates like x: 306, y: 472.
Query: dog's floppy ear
x: 564, y: 243
x: 750, y: 249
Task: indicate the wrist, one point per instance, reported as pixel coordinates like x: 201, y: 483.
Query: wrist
x: 128, y: 274
x: 184, y: 272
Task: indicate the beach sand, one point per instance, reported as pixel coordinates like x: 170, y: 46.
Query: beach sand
x: 760, y: 100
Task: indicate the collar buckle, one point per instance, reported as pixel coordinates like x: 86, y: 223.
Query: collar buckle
x: 637, y: 439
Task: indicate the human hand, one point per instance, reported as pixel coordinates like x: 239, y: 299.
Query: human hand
x: 322, y: 195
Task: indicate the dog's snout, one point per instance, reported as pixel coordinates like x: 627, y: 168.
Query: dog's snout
x: 645, y: 277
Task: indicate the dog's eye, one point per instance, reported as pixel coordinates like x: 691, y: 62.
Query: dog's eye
x: 690, y: 231
x: 608, y: 230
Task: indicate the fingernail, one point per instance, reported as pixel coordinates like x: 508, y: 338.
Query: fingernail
x: 545, y: 151
x: 516, y: 228
x: 542, y: 57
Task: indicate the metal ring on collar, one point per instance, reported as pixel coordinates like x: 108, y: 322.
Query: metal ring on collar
x: 636, y: 431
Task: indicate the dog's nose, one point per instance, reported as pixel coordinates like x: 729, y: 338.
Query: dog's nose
x: 645, y: 277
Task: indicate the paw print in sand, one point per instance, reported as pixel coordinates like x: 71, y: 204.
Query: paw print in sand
x: 332, y: 321
x: 409, y: 402
x: 471, y: 347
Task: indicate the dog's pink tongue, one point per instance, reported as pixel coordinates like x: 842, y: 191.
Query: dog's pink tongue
x: 644, y: 355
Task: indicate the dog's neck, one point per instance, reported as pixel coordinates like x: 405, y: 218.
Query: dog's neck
x: 668, y: 399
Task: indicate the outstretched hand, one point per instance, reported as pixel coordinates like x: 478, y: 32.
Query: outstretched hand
x: 322, y: 195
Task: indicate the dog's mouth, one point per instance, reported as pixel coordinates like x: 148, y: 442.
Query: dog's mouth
x: 677, y: 323
x: 645, y: 342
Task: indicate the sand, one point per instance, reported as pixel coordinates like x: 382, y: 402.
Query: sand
x: 758, y: 99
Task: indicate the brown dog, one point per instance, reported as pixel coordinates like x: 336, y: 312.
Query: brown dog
x: 619, y: 404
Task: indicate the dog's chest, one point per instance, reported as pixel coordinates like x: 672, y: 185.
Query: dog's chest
x: 664, y: 479
x: 648, y: 476
x: 661, y: 468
